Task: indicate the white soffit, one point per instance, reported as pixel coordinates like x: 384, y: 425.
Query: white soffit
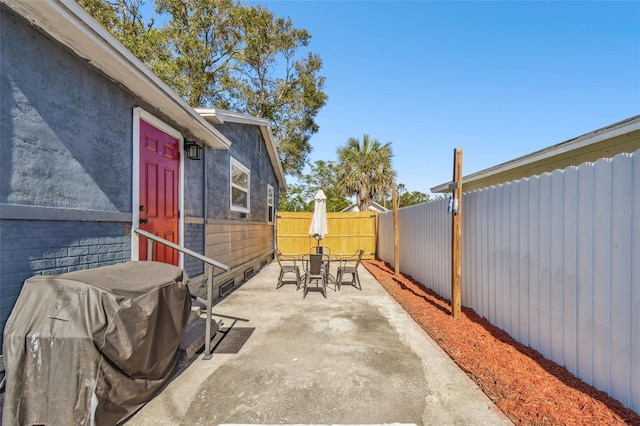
x: 219, y: 116
x: 68, y: 23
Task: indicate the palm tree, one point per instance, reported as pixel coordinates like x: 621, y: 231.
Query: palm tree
x: 365, y: 170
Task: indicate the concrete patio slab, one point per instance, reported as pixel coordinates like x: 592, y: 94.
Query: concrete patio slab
x: 355, y: 357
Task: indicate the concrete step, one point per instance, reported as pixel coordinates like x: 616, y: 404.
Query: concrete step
x: 194, y: 335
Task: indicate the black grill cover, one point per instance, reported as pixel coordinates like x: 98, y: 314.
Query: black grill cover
x: 91, y: 347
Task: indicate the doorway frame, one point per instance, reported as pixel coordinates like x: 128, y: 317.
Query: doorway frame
x: 141, y: 114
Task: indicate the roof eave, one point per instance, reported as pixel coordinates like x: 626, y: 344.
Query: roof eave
x: 220, y: 116
x: 272, y: 150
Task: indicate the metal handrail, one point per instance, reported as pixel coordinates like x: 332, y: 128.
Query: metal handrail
x: 209, y: 264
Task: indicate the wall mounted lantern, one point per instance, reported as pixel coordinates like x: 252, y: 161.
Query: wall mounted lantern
x: 194, y: 151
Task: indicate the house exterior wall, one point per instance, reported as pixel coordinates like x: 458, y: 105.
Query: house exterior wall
x: 194, y: 192
x: 194, y: 240
x: 61, y: 125
x: 214, y: 173
x: 65, y: 168
x: 55, y: 247
x: 249, y: 149
x: 66, y: 172
x: 240, y: 240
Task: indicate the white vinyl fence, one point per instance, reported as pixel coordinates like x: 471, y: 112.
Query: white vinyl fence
x: 553, y: 260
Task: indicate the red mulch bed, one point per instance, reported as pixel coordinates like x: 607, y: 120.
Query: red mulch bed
x: 528, y: 388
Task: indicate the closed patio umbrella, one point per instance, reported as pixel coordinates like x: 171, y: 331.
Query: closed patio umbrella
x: 318, y: 228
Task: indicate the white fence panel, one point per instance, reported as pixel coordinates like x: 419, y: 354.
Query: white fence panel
x: 385, y: 237
x: 634, y: 300
x: 469, y: 255
x: 425, y: 250
x: 602, y: 273
x: 553, y: 260
x: 556, y: 268
x: 524, y: 196
x: 569, y: 267
x: 533, y: 267
x: 505, y: 248
x: 544, y: 264
x: 621, y: 265
x: 513, y: 308
x: 586, y: 283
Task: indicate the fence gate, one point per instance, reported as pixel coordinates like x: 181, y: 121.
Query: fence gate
x: 347, y: 232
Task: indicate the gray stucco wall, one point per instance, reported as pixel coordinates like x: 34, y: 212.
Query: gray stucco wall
x: 249, y: 149
x: 194, y: 195
x: 66, y: 132
x: 65, y: 138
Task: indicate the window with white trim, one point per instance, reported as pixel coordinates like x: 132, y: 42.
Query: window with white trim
x: 240, y: 190
x: 270, y: 203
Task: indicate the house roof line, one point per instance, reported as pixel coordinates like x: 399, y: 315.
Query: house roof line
x: 220, y: 116
x: 616, y: 129
x: 377, y: 206
x: 69, y: 24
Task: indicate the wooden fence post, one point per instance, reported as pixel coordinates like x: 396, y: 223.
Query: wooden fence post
x: 456, y: 233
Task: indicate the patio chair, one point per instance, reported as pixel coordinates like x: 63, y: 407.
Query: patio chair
x: 349, y: 265
x: 288, y: 265
x: 316, y: 269
x: 327, y: 251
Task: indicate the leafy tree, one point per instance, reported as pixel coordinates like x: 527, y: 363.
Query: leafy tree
x: 411, y: 198
x: 294, y: 199
x: 220, y: 53
x: 405, y: 198
x: 365, y: 170
x: 103, y: 12
x: 323, y: 176
x: 291, y: 98
x: 204, y: 39
x: 242, y: 58
x: 124, y: 20
x: 301, y: 194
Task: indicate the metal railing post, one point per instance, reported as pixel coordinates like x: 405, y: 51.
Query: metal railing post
x: 209, y: 265
x: 207, y: 342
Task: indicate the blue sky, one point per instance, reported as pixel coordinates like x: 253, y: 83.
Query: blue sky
x: 498, y: 79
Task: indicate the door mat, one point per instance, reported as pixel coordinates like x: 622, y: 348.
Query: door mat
x: 231, y: 340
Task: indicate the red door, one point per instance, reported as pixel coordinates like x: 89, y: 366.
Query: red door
x: 159, y: 176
